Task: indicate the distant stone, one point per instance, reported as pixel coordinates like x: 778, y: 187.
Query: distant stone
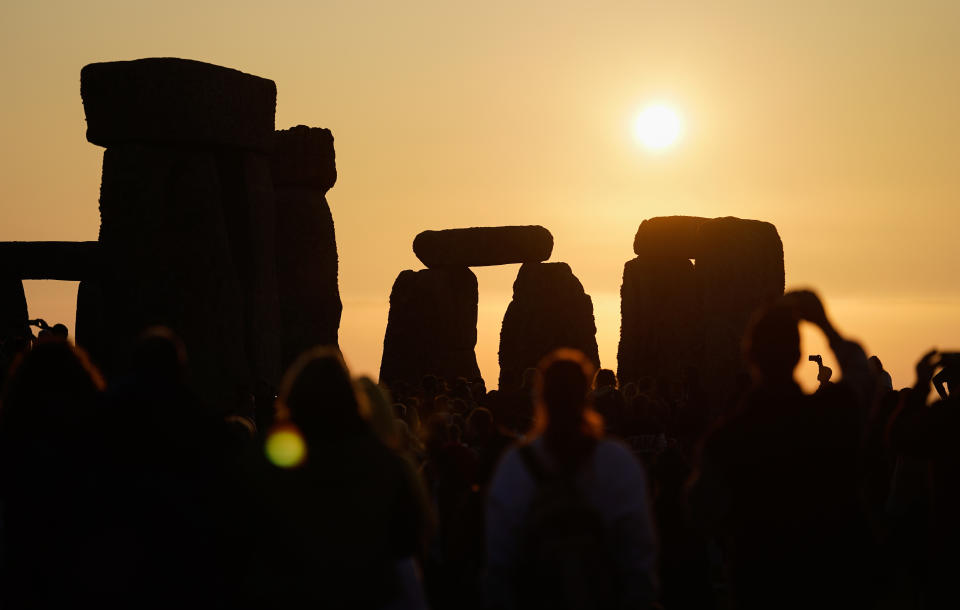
x: 304, y: 156
x: 432, y: 326
x: 549, y: 310
x: 177, y: 101
x: 13, y: 310
x: 483, y: 246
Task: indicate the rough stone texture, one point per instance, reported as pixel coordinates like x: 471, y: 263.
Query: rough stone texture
x: 304, y: 156
x: 177, y: 101
x: 49, y: 260
x: 740, y: 269
x: 660, y: 318
x: 432, y: 326
x: 304, y: 168
x: 675, y: 314
x: 549, y: 310
x: 168, y: 261
x: 188, y: 230
x: 668, y: 236
x: 483, y: 246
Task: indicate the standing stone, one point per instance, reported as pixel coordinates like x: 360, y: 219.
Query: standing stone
x: 483, y: 246
x: 677, y: 314
x: 304, y: 169
x: 187, y: 220
x: 432, y: 326
x: 549, y: 310
x: 739, y: 270
x: 13, y: 322
x: 660, y: 318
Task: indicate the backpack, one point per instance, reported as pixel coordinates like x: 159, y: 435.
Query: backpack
x: 566, y: 557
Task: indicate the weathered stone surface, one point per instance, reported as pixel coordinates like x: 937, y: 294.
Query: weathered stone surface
x: 304, y: 157
x: 549, y: 310
x: 177, y: 101
x: 668, y: 236
x: 432, y: 326
x: 739, y: 270
x: 249, y: 213
x: 483, y: 246
x: 49, y: 260
x: 675, y: 314
x: 304, y: 168
x: 92, y: 332
x: 661, y: 316
x: 168, y: 261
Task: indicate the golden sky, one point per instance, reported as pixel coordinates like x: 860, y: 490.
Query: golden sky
x: 837, y: 121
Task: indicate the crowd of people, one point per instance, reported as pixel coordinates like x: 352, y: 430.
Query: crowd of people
x: 572, y: 489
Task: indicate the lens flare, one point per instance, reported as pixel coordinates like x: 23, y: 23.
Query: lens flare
x: 285, y: 447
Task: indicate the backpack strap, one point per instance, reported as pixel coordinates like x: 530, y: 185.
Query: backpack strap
x: 534, y: 466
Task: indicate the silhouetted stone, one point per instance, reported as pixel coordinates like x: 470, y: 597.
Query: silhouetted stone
x: 13, y: 310
x: 177, y: 101
x: 668, y: 236
x: 675, y: 314
x: 660, y: 318
x: 304, y: 168
x: 739, y: 270
x: 549, y: 310
x: 304, y: 156
x: 168, y: 261
x: 187, y: 218
x: 483, y: 246
x: 432, y: 326
x: 49, y: 260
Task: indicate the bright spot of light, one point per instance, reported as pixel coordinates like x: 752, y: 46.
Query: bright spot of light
x: 285, y: 447
x: 658, y: 126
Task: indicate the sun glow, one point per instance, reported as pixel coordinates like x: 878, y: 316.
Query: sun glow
x: 658, y: 127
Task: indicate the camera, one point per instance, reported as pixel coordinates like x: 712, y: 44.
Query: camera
x: 816, y: 358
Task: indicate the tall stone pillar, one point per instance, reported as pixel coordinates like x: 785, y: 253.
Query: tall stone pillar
x: 187, y: 218
x: 549, y: 310
x: 304, y: 169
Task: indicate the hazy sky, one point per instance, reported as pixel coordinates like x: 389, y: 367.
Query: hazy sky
x: 838, y: 122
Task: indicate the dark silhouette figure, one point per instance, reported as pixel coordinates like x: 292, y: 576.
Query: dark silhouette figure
x: 347, y: 522
x: 48, y: 411
x: 567, y: 516
x: 778, y: 479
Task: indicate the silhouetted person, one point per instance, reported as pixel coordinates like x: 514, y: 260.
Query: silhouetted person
x: 347, y: 520
x: 568, y: 524
x: 778, y: 479
x: 930, y: 433
x: 48, y: 410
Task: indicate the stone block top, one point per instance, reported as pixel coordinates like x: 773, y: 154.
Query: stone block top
x: 483, y: 246
x: 166, y: 100
x: 304, y: 156
x: 694, y: 237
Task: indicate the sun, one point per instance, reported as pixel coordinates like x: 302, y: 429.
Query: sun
x: 658, y: 126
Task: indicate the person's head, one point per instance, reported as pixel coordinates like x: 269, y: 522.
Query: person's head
x: 605, y: 378
x: 60, y: 331
x: 429, y: 385
x: 480, y: 425
x: 159, y: 355
x: 824, y: 375
x: 772, y: 344
x: 317, y: 395
x: 561, y: 395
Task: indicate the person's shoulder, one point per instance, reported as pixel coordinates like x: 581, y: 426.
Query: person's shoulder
x: 614, y: 456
